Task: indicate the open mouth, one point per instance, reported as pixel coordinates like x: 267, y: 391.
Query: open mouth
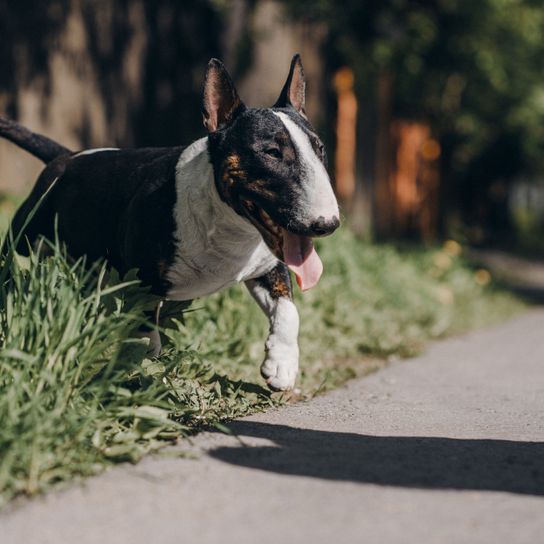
x: 296, y: 251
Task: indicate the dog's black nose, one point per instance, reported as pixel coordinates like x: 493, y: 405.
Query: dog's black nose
x: 322, y: 226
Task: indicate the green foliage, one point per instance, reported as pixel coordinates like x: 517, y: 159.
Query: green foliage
x: 77, y: 391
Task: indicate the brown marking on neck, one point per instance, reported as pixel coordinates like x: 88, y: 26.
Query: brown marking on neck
x: 232, y: 167
x: 232, y: 172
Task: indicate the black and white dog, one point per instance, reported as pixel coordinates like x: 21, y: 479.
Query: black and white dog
x: 241, y: 204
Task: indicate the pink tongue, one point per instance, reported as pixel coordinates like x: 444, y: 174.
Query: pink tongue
x: 301, y: 257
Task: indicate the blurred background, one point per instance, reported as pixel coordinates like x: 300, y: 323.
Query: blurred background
x: 432, y: 111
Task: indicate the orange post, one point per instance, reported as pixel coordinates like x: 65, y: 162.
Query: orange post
x: 346, y: 124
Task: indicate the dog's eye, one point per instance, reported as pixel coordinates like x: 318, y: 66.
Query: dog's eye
x: 273, y: 152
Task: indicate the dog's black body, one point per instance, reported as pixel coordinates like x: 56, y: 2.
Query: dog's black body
x: 234, y: 206
x: 122, y: 211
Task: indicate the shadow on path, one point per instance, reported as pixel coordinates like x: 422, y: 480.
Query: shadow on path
x: 523, y: 276
x: 531, y: 295
x: 405, y: 461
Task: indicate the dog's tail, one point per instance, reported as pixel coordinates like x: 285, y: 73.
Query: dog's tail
x: 40, y: 146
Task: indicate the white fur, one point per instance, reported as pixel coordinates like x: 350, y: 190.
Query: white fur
x: 318, y: 199
x: 215, y: 246
x: 280, y: 366
x: 97, y: 150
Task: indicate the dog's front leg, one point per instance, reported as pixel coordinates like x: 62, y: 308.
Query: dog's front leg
x: 274, y: 295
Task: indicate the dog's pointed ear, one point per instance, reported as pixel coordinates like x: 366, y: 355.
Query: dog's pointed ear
x: 294, y: 90
x: 221, y: 102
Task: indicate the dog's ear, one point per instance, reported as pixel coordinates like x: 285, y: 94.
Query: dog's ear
x: 294, y: 90
x: 221, y: 102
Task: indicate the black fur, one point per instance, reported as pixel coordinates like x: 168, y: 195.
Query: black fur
x: 118, y: 206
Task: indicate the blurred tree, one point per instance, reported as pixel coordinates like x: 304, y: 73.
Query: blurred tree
x: 146, y: 59
x: 473, y: 70
x: 94, y: 73
x: 129, y: 73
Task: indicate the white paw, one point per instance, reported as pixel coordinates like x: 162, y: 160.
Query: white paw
x: 280, y: 369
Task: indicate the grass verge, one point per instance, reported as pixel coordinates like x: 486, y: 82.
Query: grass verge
x: 77, y: 392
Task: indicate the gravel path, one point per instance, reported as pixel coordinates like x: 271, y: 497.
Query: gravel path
x: 444, y: 448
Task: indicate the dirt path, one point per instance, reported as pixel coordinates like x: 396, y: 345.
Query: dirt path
x: 447, y: 447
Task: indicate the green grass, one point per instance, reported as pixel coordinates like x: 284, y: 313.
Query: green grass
x: 77, y: 392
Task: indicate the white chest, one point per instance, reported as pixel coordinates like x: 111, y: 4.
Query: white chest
x: 215, y: 247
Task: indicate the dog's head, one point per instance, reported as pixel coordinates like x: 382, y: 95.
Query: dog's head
x: 270, y: 167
